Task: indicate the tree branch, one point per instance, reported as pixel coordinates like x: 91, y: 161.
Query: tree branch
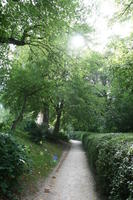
x: 126, y: 9
x: 12, y: 41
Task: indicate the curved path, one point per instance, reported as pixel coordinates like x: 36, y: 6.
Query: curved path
x: 72, y: 181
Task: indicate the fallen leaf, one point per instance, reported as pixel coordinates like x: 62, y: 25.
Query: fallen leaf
x: 46, y: 190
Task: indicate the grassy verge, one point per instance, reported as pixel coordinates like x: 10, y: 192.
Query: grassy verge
x: 111, y: 158
x: 42, y: 161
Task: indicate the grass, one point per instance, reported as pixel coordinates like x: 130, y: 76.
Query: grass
x: 41, y: 159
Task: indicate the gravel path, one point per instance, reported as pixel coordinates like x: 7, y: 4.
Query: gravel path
x: 72, y: 180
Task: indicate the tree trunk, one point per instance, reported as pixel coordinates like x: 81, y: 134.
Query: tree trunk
x: 59, y: 109
x: 45, y: 113
x: 20, y: 116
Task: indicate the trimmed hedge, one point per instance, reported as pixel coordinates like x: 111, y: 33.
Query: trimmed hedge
x: 111, y: 158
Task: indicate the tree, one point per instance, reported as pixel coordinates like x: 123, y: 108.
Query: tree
x: 32, y: 22
x: 125, y: 9
x: 120, y: 111
x: 85, y: 97
x: 25, y: 83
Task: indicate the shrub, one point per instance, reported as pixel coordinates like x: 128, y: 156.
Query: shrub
x: 13, y: 163
x: 76, y: 135
x: 62, y: 136
x: 40, y: 133
x: 57, y: 137
x: 111, y: 157
x: 37, y: 132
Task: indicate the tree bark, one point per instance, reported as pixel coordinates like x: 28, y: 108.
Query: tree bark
x: 20, y: 116
x: 59, y: 109
x: 46, y: 116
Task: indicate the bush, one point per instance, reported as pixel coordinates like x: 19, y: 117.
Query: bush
x: 57, y: 137
x: 13, y: 163
x: 76, y: 135
x: 40, y: 133
x: 111, y: 157
x: 62, y: 136
x: 37, y: 132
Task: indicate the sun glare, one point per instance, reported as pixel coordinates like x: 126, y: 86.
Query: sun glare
x: 104, y: 30
x: 77, y: 42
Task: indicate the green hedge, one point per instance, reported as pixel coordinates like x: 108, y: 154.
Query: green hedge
x: 111, y: 158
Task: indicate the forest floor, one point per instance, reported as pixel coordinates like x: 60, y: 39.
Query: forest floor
x: 71, y: 180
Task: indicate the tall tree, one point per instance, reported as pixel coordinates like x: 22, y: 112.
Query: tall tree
x: 24, y: 84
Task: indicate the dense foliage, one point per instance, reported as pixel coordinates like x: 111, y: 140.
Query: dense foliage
x: 110, y: 156
x: 76, y: 135
x: 72, y: 90
x: 90, y: 92
x: 37, y: 133
x: 14, y: 162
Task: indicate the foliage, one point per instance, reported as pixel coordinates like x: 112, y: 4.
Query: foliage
x: 40, y: 133
x: 110, y: 156
x: 5, y: 119
x: 26, y: 83
x: 14, y: 162
x: 86, y: 94
x: 124, y: 11
x: 36, y: 132
x: 90, y: 91
x: 61, y: 136
x: 33, y: 22
x: 119, y: 114
x: 40, y: 25
x: 3, y: 114
x: 41, y: 159
x: 76, y: 135
x: 94, y: 94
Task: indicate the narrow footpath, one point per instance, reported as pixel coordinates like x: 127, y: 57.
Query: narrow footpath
x: 72, y: 181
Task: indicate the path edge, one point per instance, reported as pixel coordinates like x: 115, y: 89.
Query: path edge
x: 44, y: 183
